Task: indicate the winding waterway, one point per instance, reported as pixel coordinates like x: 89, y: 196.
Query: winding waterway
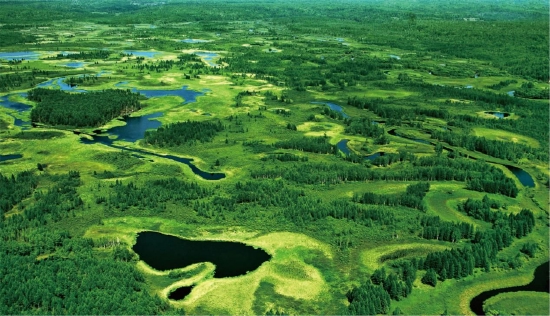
x: 539, y: 284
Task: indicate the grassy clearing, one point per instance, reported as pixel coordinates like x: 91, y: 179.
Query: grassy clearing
x: 287, y: 271
x: 518, y: 303
x: 495, y: 134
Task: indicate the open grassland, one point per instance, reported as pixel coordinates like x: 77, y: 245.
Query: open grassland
x: 518, y: 303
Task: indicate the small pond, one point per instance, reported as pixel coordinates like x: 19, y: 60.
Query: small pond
x: 539, y: 284
x: 75, y: 64
x: 394, y: 57
x: 500, y: 115
x: 10, y: 157
x: 135, y: 127
x: 28, y: 55
x: 180, y: 293
x: 141, y: 53
x: 334, y: 107
x: 194, y: 41
x: 165, y: 252
x: 511, y: 93
x: 523, y: 177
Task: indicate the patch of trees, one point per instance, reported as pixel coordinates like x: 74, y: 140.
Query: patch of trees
x: 93, y: 54
x: 478, y: 175
x: 152, y: 196
x: 480, y: 209
x: 183, y: 133
x: 434, y: 228
x: 74, y: 284
x: 284, y: 157
x: 494, y: 148
x: 413, y: 197
x: 368, y: 299
x: 57, y: 202
x: 529, y: 91
x: 14, y: 188
x: 19, y: 80
x: 318, y: 145
x: 56, y: 107
x: 363, y: 126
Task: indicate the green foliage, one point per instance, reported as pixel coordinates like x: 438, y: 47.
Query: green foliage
x: 318, y: 145
x: 56, y: 107
x: 430, y: 278
x: 183, y: 133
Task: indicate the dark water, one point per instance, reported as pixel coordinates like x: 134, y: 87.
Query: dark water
x: 165, y: 252
x: 334, y: 107
x: 180, y: 293
x: 539, y: 284
x: 343, y: 146
x: 17, y: 106
x: 187, y: 95
x: 522, y: 175
x: 500, y: 115
x: 10, y: 157
x: 374, y: 156
x: 135, y: 127
x: 187, y: 161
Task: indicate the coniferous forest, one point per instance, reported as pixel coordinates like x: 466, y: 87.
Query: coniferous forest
x: 274, y: 157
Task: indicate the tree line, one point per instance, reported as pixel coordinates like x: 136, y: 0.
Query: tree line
x: 183, y: 133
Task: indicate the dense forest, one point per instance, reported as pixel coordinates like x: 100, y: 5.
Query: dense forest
x: 91, y: 109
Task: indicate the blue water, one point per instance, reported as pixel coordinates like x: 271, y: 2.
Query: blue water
x: 10, y: 157
x: 523, y: 177
x: 343, y: 146
x: 140, y: 53
x: 103, y: 72
x: 500, y: 115
x: 58, y: 82
x: 511, y: 93
x: 75, y: 64
x: 122, y: 83
x: 135, y: 127
x: 19, y: 55
x: 395, y: 57
x: 334, y: 107
x: 17, y: 106
x: 188, y: 95
x: 469, y: 87
x: 187, y: 161
x: 194, y: 41
x: 208, y: 57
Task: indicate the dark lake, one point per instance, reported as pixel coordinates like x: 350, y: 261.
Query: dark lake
x: 522, y: 175
x: 10, y: 157
x: 539, y: 284
x: 165, y: 252
x: 187, y: 95
x: 180, y: 293
x: 135, y: 127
